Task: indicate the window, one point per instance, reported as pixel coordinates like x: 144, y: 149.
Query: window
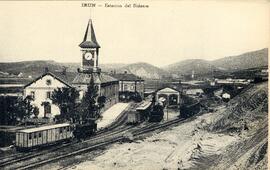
x: 32, y: 94
x: 132, y: 87
x: 48, y: 82
x: 61, y: 130
x: 68, y: 129
x: 30, y: 136
x: 48, y: 94
x: 35, y: 135
x: 125, y: 87
x: 39, y: 134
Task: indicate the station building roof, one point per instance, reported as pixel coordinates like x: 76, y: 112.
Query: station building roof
x: 99, y: 78
x: 51, y: 74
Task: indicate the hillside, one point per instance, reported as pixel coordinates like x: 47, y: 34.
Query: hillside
x: 244, y: 61
x: 112, y: 67
x: 246, y: 116
x: 187, y: 66
x: 33, y: 68
x: 144, y: 70
x: 36, y: 68
x: 247, y: 60
x: 147, y: 71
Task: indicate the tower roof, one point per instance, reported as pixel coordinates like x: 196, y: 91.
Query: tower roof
x: 89, y: 40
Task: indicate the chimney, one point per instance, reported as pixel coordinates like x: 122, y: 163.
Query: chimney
x: 46, y: 70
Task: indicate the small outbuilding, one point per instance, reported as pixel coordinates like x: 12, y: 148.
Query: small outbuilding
x: 171, y: 95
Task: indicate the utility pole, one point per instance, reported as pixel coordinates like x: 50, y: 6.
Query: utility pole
x: 167, y: 112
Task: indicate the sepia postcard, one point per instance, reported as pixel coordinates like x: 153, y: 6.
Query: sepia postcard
x: 131, y: 85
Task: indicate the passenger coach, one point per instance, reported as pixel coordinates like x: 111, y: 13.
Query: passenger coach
x: 42, y: 136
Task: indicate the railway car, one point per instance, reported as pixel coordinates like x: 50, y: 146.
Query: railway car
x: 28, y: 139
x: 187, y: 111
x: 141, y: 113
x: 134, y: 117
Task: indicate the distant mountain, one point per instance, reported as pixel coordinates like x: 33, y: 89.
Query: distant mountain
x: 112, y: 67
x: 185, y: 67
x: 144, y: 70
x: 147, y: 71
x: 36, y: 68
x: 247, y: 60
x: 33, y: 68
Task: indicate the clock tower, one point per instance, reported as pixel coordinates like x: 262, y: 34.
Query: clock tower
x: 90, y: 49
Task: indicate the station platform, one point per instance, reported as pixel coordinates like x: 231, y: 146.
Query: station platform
x: 111, y: 114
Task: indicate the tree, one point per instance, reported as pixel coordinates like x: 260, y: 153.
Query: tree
x: 101, y: 103
x: 7, y: 110
x: 16, y: 109
x: 88, y: 108
x: 65, y: 98
x: 24, y: 108
x: 36, y: 111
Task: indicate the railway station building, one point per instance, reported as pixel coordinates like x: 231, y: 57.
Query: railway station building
x: 107, y: 85
x: 42, y: 87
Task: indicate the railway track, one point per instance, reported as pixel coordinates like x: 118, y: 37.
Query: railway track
x: 117, y: 127
x: 101, y: 141
x: 94, y: 142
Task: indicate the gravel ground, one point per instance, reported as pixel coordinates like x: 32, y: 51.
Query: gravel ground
x: 172, y: 149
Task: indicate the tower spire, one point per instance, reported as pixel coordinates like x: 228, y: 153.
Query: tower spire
x: 90, y: 49
x: 89, y: 40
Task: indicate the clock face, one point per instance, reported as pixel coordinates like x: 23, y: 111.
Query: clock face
x: 88, y: 56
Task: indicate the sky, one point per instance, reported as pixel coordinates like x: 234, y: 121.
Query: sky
x: 164, y: 33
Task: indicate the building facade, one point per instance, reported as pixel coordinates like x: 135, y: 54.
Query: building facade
x: 129, y: 84
x: 107, y: 86
x: 41, y: 90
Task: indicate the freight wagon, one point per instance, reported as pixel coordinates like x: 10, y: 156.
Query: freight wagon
x: 42, y: 136
x: 141, y: 113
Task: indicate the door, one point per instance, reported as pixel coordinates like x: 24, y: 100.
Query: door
x: 47, y: 109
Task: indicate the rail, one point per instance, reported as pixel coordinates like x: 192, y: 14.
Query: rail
x: 117, y: 135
